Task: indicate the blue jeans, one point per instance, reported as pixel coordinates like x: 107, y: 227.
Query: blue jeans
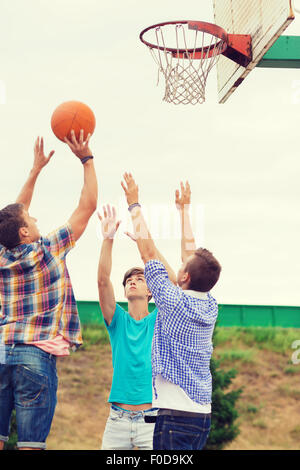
x: 126, y: 430
x: 181, y: 433
x: 28, y: 383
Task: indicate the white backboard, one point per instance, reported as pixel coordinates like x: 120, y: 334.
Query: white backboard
x: 264, y: 20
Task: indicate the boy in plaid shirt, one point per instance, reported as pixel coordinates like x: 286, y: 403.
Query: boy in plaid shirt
x: 182, y: 342
x: 38, y: 317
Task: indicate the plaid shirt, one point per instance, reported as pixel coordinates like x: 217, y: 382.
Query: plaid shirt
x: 182, y: 342
x: 36, y: 295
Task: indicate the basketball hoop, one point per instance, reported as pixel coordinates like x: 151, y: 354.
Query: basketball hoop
x: 195, y: 49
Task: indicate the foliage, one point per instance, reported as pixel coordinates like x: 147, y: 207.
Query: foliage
x: 11, y: 444
x: 224, y: 414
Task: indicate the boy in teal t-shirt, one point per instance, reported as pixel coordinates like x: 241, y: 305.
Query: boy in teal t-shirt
x: 131, y: 339
x: 131, y: 336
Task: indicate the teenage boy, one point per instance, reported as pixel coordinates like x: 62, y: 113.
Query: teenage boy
x: 182, y: 345
x: 39, y: 318
x: 131, y: 335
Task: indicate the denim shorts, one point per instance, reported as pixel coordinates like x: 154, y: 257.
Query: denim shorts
x: 126, y: 430
x: 28, y: 384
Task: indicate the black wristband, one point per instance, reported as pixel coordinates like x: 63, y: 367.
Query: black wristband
x: 85, y: 159
x: 136, y: 204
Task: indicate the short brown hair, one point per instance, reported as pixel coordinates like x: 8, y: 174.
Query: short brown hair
x: 132, y: 272
x: 204, y: 270
x: 11, y: 220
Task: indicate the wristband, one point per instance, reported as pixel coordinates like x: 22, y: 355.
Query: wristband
x: 85, y: 159
x: 136, y: 204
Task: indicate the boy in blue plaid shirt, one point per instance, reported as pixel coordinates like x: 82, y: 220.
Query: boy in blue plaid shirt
x: 182, y: 343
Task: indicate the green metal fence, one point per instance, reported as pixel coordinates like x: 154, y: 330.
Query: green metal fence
x: 229, y: 315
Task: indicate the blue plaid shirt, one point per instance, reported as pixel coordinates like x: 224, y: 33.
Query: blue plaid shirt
x: 182, y: 342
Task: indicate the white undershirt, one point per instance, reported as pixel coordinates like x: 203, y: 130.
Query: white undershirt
x: 172, y: 396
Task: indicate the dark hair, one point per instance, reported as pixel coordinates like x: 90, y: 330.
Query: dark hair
x: 132, y: 272
x: 204, y: 270
x: 11, y: 220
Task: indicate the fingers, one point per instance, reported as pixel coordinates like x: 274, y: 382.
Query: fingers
x: 128, y: 178
x: 68, y: 142
x: 73, y: 138
x: 108, y: 212
x: 39, y: 155
x: 129, y: 182
x: 81, y: 142
x: 50, y: 155
x: 81, y: 137
x: 87, y: 140
x: 185, y: 188
x: 130, y: 235
x: 124, y: 187
x: 39, y: 144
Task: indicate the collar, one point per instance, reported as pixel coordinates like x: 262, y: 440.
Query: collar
x: 198, y: 295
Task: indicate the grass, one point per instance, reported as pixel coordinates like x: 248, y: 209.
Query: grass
x: 296, y: 432
x: 261, y: 356
x: 274, y: 339
x: 232, y: 355
x: 287, y: 391
x: 292, y: 370
x: 267, y: 338
x: 94, y: 334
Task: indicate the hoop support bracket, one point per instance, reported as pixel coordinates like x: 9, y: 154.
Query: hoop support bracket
x: 239, y: 49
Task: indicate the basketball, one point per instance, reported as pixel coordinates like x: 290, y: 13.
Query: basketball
x: 72, y: 115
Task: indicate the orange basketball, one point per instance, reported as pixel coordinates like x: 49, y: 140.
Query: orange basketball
x: 72, y: 115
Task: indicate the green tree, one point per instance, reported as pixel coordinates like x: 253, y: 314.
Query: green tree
x: 11, y: 444
x: 224, y: 414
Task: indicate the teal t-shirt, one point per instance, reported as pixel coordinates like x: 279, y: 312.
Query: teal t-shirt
x: 131, y: 343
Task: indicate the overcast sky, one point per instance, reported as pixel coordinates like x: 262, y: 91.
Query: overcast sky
x: 242, y: 158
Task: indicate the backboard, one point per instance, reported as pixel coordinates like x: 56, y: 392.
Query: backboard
x: 264, y: 20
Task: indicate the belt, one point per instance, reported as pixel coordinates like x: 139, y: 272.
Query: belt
x: 185, y: 414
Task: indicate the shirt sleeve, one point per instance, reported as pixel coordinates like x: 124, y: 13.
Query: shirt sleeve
x: 166, y: 295
x: 116, y: 316
x: 60, y: 241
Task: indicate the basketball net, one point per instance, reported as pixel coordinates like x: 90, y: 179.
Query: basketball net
x: 185, y: 76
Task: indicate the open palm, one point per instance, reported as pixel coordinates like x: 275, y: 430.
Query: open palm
x: 109, y: 223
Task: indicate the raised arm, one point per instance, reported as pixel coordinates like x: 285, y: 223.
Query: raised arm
x: 109, y: 226
x: 142, y: 235
x: 160, y: 257
x: 89, y: 194
x: 40, y: 160
x: 183, y: 202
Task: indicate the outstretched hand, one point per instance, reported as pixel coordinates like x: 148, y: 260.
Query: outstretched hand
x: 183, y: 200
x: 109, y: 223
x: 40, y: 160
x: 131, y: 189
x: 81, y: 147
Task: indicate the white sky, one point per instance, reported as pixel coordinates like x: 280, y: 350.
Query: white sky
x: 242, y: 158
